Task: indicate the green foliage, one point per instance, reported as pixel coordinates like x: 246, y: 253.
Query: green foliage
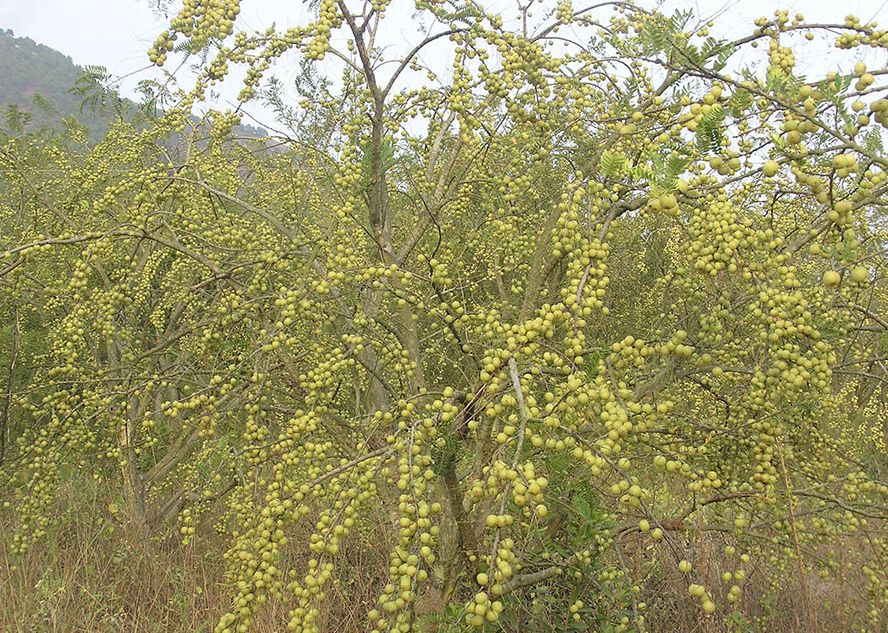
x: 709, y: 130
x: 612, y: 163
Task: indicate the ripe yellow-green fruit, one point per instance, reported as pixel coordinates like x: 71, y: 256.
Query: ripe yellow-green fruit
x: 684, y: 566
x: 831, y: 278
x: 668, y: 202
x: 770, y: 168
x: 859, y: 274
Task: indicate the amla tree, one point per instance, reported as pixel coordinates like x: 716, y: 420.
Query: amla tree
x: 597, y: 285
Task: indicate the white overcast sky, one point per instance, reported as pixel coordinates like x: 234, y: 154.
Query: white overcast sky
x: 117, y: 33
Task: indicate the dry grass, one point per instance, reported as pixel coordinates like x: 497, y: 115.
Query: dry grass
x: 93, y: 575
x: 775, y: 597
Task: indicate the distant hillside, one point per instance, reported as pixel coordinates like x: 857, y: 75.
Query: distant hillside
x: 37, y: 81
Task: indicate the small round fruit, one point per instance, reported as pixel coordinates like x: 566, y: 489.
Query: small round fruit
x: 684, y: 566
x: 831, y: 279
x: 770, y: 168
x: 668, y: 201
x: 859, y: 274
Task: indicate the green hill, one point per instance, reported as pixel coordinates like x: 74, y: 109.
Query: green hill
x: 40, y: 88
x: 35, y: 89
